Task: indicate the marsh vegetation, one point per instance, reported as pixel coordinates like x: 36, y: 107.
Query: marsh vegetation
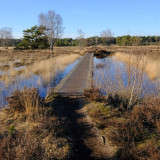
x: 36, y: 70
x: 123, y: 104
x: 126, y: 103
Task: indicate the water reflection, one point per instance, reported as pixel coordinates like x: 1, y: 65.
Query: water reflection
x: 112, y: 74
x: 42, y: 75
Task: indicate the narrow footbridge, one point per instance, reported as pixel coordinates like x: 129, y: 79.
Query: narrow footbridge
x: 78, y: 79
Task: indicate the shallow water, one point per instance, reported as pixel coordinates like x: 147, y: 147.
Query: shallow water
x: 110, y: 74
x: 41, y: 77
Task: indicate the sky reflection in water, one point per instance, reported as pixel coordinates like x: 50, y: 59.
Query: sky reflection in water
x: 34, y: 80
x: 107, y: 70
x: 104, y: 69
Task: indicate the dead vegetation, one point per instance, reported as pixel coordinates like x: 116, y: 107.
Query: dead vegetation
x: 151, y: 65
x: 94, y: 94
x: 127, y: 113
x: 139, y: 131
x: 135, y: 133
x: 4, y: 67
x: 30, y: 130
x: 52, y: 67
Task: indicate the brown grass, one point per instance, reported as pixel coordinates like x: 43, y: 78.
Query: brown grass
x: 4, y: 67
x: 135, y: 133
x: 94, y: 94
x: 30, y: 130
x: 151, y: 65
x: 27, y: 101
x: 48, y: 68
x: 130, y: 122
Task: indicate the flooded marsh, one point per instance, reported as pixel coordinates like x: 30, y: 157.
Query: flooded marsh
x: 127, y: 74
x: 118, y: 72
x: 43, y: 75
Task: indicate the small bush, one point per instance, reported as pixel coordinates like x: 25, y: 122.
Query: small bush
x: 142, y: 124
x: 94, y: 94
x: 12, y: 130
x: 126, y: 134
x: 150, y: 151
x: 28, y: 101
x: 148, y: 115
x: 117, y: 101
x: 16, y: 102
x: 20, y: 147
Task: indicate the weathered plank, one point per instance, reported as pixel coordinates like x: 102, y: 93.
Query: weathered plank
x: 78, y: 79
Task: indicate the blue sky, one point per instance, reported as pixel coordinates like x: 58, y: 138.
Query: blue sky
x: 134, y: 17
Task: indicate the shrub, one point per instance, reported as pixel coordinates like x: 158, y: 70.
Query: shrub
x: 12, y: 130
x: 28, y: 101
x: 142, y: 124
x: 148, y: 152
x: 117, y: 101
x: 20, y: 147
x: 94, y: 94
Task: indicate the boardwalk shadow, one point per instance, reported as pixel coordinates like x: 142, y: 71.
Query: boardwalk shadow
x: 66, y: 110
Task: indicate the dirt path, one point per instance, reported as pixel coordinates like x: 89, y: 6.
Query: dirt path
x: 100, y: 147
x: 87, y: 142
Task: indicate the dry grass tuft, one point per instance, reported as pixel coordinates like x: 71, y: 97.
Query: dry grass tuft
x: 30, y: 130
x: 27, y: 101
x: 4, y: 67
x: 94, y: 94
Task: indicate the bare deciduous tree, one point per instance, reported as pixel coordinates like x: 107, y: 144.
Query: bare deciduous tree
x: 5, y: 36
x: 53, y: 26
x: 81, y: 36
x: 107, y: 36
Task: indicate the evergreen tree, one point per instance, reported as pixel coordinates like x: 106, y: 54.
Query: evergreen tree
x: 34, y: 38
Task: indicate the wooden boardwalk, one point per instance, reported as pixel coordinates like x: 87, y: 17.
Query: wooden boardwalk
x: 78, y: 79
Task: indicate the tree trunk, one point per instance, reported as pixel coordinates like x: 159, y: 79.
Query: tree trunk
x: 51, y: 46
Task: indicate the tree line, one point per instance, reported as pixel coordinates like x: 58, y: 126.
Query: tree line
x: 50, y: 30
x: 34, y: 38
x: 137, y: 40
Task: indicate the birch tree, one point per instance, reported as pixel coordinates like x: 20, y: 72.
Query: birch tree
x: 107, y: 36
x: 81, y: 36
x: 53, y: 24
x: 5, y: 36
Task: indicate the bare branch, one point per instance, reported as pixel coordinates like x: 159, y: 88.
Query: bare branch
x: 5, y: 36
x: 107, y: 36
x: 53, y: 26
x: 81, y: 40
